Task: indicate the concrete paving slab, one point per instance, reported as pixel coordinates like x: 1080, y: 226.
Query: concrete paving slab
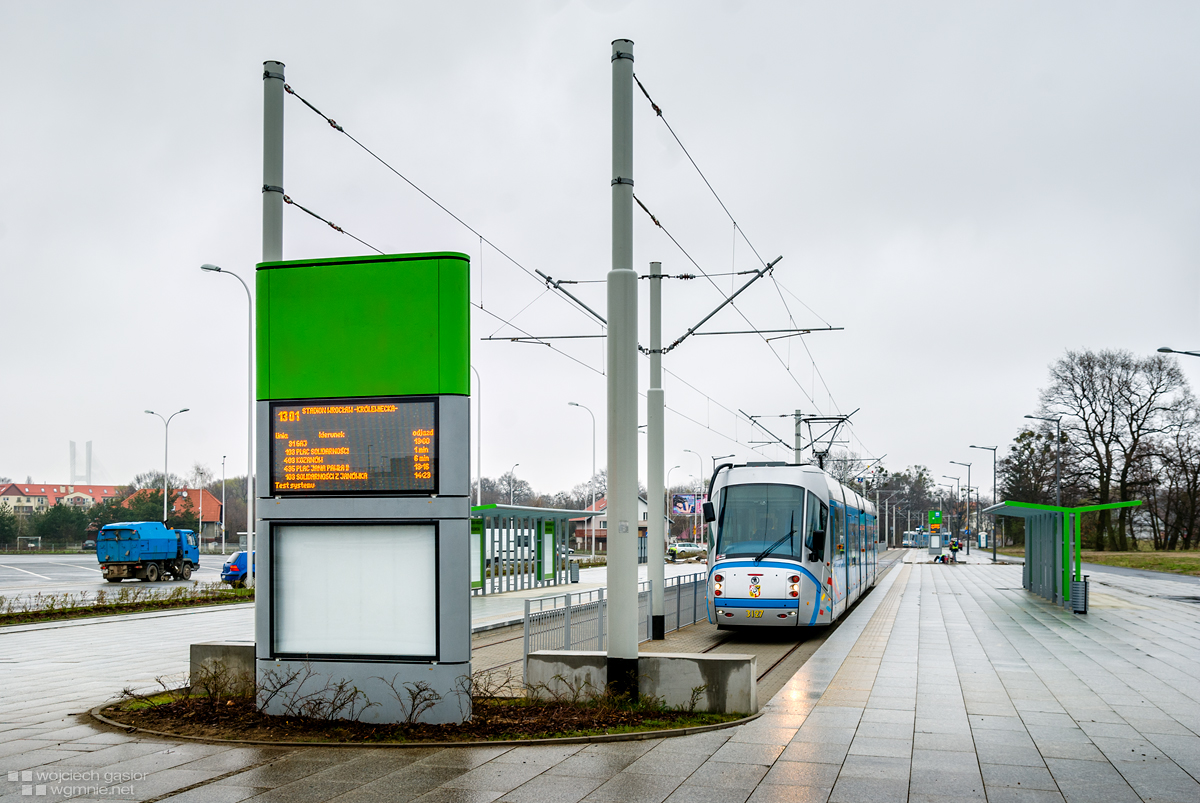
x: 965, y: 686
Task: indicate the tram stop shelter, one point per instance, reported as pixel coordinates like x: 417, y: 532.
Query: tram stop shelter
x: 1052, y: 548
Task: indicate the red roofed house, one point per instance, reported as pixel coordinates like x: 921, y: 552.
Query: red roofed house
x: 594, y: 525
x: 189, y: 500
x: 26, y: 498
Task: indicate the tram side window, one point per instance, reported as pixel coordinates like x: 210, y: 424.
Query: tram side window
x: 855, y: 536
x: 818, y: 523
x: 839, y: 527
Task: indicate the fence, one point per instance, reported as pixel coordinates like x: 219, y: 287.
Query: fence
x: 579, y: 621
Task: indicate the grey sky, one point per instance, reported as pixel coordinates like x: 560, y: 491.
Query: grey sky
x: 968, y: 188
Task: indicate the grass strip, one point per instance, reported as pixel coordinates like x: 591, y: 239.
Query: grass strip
x: 54, y: 608
x: 1169, y: 561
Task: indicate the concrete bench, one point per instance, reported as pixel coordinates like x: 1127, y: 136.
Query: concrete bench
x: 729, y: 680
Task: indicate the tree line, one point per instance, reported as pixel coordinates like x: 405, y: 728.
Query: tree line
x: 140, y: 500
x: 1130, y: 431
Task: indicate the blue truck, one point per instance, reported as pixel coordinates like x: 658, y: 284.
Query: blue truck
x: 146, y: 550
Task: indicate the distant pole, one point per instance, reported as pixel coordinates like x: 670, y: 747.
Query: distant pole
x: 222, y: 504
x: 166, y: 443
x: 654, y: 460
x: 622, y: 391
x: 695, y: 525
x: 478, y: 439
x: 592, y: 479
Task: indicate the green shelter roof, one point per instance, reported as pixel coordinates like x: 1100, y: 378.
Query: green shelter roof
x: 1027, y: 509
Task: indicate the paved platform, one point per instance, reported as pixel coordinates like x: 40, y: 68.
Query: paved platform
x: 947, y: 683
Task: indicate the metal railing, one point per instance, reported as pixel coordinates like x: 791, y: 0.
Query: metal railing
x: 579, y: 620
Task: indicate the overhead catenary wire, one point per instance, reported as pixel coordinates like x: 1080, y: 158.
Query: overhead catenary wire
x: 659, y: 113
x: 329, y: 223
x: 541, y: 277
x: 535, y: 274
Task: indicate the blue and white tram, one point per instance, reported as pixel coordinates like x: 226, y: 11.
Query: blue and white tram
x: 788, y: 546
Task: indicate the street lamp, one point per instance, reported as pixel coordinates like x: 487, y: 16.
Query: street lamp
x: 968, y: 465
x: 1057, y: 455
x: 592, y: 478
x: 512, y: 481
x: 222, y: 504
x: 995, y: 519
x: 1169, y: 350
x: 957, y: 487
x: 667, y: 489
x: 166, y: 440
x: 249, y: 421
x: 700, y: 483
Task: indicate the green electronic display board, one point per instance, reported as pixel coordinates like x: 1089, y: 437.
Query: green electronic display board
x: 355, y: 327
x: 935, y: 521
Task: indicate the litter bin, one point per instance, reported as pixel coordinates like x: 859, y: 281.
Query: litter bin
x: 573, y: 569
x: 1079, y: 595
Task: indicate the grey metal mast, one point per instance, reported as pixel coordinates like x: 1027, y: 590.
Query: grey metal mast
x: 622, y: 391
x: 655, y: 492
x: 272, y: 251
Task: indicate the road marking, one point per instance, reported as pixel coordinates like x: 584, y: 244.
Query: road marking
x: 76, y: 566
x: 35, y: 574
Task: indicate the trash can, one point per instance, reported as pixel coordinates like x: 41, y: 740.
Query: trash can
x: 1079, y: 595
x: 573, y: 569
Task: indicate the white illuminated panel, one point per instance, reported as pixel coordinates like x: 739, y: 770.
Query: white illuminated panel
x: 355, y: 589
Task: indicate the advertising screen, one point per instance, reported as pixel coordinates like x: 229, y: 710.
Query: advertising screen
x: 378, y: 445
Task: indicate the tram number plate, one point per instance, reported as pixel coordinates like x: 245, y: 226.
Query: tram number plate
x: 754, y: 614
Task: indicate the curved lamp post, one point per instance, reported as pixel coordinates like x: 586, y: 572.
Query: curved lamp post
x: 996, y: 519
x: 249, y: 421
x: 591, y: 479
x: 968, y: 465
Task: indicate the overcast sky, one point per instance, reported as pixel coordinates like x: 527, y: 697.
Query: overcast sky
x: 969, y: 189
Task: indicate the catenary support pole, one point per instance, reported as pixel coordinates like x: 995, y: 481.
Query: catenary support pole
x: 799, y: 443
x: 222, y: 504
x: 622, y: 391
x: 655, y: 493
x: 272, y: 251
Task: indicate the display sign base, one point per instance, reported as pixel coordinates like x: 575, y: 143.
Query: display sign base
x: 363, y: 513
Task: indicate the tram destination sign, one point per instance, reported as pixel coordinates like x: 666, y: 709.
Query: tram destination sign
x: 354, y: 446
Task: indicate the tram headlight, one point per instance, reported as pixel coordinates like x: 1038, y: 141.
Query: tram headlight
x: 719, y: 578
x: 794, y: 589
x: 716, y: 589
x: 795, y: 578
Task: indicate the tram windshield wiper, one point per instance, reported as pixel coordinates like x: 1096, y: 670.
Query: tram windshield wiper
x: 789, y: 534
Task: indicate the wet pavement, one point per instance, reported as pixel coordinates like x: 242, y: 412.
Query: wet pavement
x: 945, y: 683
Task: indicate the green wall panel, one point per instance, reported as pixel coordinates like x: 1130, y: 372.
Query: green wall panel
x: 363, y: 326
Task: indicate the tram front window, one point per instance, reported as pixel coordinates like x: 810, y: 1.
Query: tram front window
x: 761, y: 522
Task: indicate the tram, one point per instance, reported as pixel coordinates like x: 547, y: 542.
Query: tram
x: 788, y: 546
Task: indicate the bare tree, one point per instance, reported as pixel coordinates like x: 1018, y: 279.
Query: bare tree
x: 1112, y: 405
x: 844, y: 466
x: 1173, y: 479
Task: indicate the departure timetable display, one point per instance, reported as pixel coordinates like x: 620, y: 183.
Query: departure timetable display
x: 355, y: 445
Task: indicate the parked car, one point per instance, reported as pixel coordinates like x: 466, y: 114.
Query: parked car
x: 234, y: 570
x: 89, y: 545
